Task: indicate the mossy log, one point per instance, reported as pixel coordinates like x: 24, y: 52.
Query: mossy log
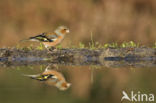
x: 109, y: 57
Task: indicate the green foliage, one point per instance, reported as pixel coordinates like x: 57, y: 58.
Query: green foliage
x: 129, y: 44
x: 59, y: 46
x: 97, y: 45
x: 81, y: 45
x: 18, y: 46
x: 30, y: 47
x: 94, y: 45
x: 111, y: 45
x: 40, y: 47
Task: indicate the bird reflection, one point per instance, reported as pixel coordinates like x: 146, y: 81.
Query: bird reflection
x: 52, y: 78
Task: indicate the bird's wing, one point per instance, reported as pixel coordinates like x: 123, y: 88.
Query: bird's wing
x: 52, y: 36
x: 40, y: 77
x: 42, y: 37
x: 44, y: 77
x: 31, y: 76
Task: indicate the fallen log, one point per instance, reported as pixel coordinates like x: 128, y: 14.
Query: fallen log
x: 109, y: 57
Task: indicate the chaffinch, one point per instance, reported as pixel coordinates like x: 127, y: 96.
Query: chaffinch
x: 52, y: 78
x: 50, y: 39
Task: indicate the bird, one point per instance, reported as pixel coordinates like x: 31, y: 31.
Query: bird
x: 52, y: 78
x: 50, y: 39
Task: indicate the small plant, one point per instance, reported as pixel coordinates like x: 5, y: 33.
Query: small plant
x: 129, y: 44
x: 92, y: 44
x: 40, y: 47
x: 18, y: 46
x: 98, y: 45
x: 111, y: 45
x: 59, y: 46
x: 30, y: 47
x: 41, y: 68
x: 95, y: 67
x: 81, y: 45
x: 154, y: 45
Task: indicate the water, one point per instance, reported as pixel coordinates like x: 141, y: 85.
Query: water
x: 90, y: 83
x: 76, y: 75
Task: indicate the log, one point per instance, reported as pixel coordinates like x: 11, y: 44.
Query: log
x: 109, y: 57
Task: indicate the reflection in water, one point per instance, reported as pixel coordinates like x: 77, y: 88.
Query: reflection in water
x: 52, y: 78
x: 90, y: 84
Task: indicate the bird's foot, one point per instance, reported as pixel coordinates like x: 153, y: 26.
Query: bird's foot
x: 52, y: 49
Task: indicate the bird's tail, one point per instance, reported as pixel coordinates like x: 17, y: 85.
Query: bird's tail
x: 29, y: 39
x: 25, y: 40
x: 32, y: 76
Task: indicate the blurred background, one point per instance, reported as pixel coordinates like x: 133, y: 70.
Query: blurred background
x: 108, y: 20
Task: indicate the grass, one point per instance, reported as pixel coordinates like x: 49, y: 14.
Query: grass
x: 81, y: 45
x: 40, y: 47
x: 92, y: 45
x: 97, y: 45
x: 59, y: 46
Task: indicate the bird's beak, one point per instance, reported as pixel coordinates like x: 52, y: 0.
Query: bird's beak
x: 67, y: 31
x: 69, y: 84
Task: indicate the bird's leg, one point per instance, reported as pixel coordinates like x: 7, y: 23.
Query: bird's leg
x: 51, y: 49
x: 46, y: 69
x: 53, y: 66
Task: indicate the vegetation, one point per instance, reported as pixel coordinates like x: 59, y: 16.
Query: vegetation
x: 154, y: 45
x: 92, y: 45
x: 97, y: 45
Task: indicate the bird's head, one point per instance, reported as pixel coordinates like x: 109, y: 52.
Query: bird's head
x: 64, y: 86
x: 62, y: 30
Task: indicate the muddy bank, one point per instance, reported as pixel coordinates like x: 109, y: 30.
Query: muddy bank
x: 106, y: 57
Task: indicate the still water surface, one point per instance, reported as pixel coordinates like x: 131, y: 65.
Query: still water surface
x: 89, y: 84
